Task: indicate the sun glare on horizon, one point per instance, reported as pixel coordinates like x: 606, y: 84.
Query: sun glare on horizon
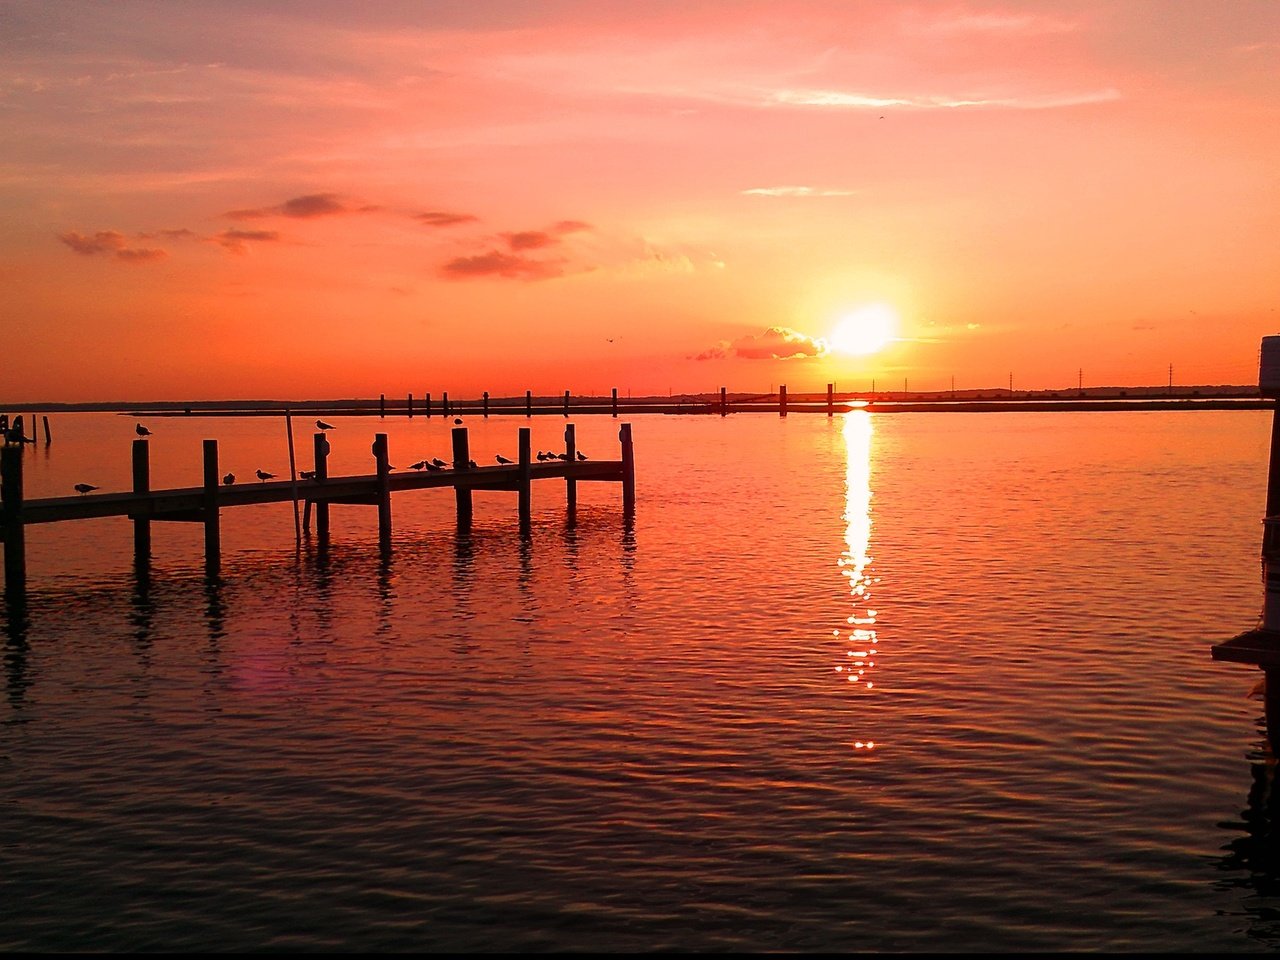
x: 866, y: 330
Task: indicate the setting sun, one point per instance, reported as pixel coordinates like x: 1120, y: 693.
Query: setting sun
x: 867, y: 330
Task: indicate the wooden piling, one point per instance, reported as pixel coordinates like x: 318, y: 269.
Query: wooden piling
x: 615, y: 403
x: 15, y: 543
x: 486, y: 404
x: 724, y: 402
x: 410, y: 406
x: 321, y: 447
x: 426, y: 404
x: 293, y: 478
x: 831, y: 399
x: 566, y: 403
x: 444, y: 403
x: 141, y: 484
x: 384, y: 489
x: 462, y: 462
x: 570, y: 484
x: 525, y: 488
x: 4, y: 426
x: 382, y: 405
x: 1273, y: 488
x: 212, y: 521
x: 528, y: 403
x: 782, y: 400
x: 628, y: 471
x: 48, y: 437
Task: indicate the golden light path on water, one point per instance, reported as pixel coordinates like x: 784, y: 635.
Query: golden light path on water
x: 855, y: 561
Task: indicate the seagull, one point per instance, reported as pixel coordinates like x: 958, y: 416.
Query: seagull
x: 432, y: 467
x: 473, y: 465
x: 307, y: 474
x: 418, y: 466
x: 438, y: 462
x: 142, y: 431
x: 562, y: 456
x: 264, y: 476
x: 541, y: 455
x: 581, y: 455
x: 229, y: 479
x: 501, y: 459
x: 457, y: 422
x: 83, y: 488
x: 325, y: 426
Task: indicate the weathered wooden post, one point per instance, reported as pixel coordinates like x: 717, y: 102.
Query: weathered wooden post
x: 384, y: 490
x: 628, y: 471
x: 462, y: 464
x: 525, y: 479
x: 47, y: 435
x: 426, y: 403
x: 212, y: 522
x: 320, y: 445
x: 382, y: 405
x: 444, y: 403
x: 15, y: 542
x: 570, y: 484
x: 566, y: 403
x: 141, y: 484
x: 4, y: 426
x: 615, y: 403
x: 782, y: 400
x: 724, y: 402
x: 831, y: 399
x: 410, y: 407
x: 486, y: 404
x: 528, y: 403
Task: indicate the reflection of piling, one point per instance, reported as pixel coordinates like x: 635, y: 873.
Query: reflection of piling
x: 11, y: 523
x: 141, y: 484
x: 48, y: 437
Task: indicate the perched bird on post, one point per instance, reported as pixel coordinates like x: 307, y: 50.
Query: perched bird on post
x: 457, y: 422
x: 264, y: 476
x: 541, y: 455
x: 431, y: 465
x: 438, y: 462
x: 418, y: 466
x: 581, y: 455
x: 307, y: 474
x: 229, y: 479
x: 142, y: 431
x: 325, y: 426
x: 472, y: 464
x: 501, y: 459
x: 83, y: 488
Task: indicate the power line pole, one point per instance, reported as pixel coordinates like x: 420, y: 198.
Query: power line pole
x: 1011, y: 384
x: 1171, y: 378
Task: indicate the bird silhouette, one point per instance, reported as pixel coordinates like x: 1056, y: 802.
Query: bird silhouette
x: 325, y: 426
x: 438, y: 462
x: 264, y: 476
x: 457, y: 422
x: 229, y: 479
x: 432, y: 467
x: 83, y: 488
x: 418, y: 466
x: 307, y: 474
x: 541, y: 455
x: 562, y: 456
x: 473, y: 465
x: 142, y: 431
x: 501, y: 459
x: 581, y: 455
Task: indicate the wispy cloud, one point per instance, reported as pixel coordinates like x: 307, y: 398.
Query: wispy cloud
x: 237, y: 241
x: 796, y: 192
x: 496, y: 263
x: 306, y: 207
x: 441, y: 218
x: 111, y: 243
x: 846, y: 100
x: 775, y: 343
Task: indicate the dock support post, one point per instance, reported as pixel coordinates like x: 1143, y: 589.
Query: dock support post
x: 426, y: 404
x: 48, y: 437
x: 782, y: 400
x: 528, y: 403
x: 724, y: 402
x: 444, y: 403
x: 570, y: 484
x: 212, y: 522
x: 410, y: 406
x: 566, y: 403
x: 1271, y: 532
x: 321, y: 448
x: 462, y: 463
x: 628, y: 471
x: 382, y: 405
x: 15, y: 543
x: 615, y: 403
x: 526, y: 480
x: 831, y: 399
x: 486, y: 404
x: 384, y: 490
x: 141, y: 484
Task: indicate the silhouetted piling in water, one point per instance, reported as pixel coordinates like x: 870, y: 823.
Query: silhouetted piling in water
x: 615, y: 403
x: 141, y: 484
x: 566, y: 403
x: 48, y: 437
x: 486, y: 404
x: 382, y: 405
x: 462, y: 463
x: 382, y: 458
x: 11, y: 523
x: 444, y: 403
x: 831, y: 399
x: 426, y: 404
x: 724, y: 402
x: 571, y: 485
x: 212, y: 520
x: 410, y: 406
x: 320, y: 446
x: 628, y: 471
x: 782, y: 400
x: 525, y: 482
x: 528, y: 403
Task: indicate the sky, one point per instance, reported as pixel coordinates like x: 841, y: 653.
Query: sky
x: 327, y: 199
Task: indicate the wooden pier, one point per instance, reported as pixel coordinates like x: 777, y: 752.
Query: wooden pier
x: 204, y: 504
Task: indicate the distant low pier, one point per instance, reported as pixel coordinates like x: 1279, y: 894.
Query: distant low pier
x: 204, y: 504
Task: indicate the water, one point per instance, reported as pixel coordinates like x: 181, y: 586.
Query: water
x: 904, y: 682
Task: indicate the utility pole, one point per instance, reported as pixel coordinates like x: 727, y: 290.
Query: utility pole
x: 1010, y: 384
x: 1171, y: 378
x: 953, y: 386
x: 1080, y: 381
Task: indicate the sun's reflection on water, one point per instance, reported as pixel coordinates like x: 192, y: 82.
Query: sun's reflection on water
x: 855, y: 562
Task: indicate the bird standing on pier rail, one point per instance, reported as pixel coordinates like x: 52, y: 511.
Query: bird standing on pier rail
x: 142, y: 431
x: 229, y: 479
x: 541, y: 455
x: 320, y: 424
x: 83, y: 488
x: 438, y: 462
x: 501, y: 459
x: 430, y: 465
x: 264, y: 476
x: 418, y: 466
x: 581, y: 455
x: 307, y: 474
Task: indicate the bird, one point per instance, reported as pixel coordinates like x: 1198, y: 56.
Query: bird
x: 581, y: 455
x: 438, y: 462
x: 501, y: 459
x: 418, y: 466
x: 457, y: 422
x: 562, y: 456
x: 264, y: 476
x: 432, y: 467
x: 307, y: 474
x: 142, y: 431
x: 229, y: 479
x: 541, y: 455
x: 320, y: 424
x: 473, y: 465
x: 83, y: 488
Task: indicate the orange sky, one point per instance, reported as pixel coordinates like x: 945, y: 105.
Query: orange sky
x: 313, y: 199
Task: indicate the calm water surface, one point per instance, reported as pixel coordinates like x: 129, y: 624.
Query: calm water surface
x: 912, y: 682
